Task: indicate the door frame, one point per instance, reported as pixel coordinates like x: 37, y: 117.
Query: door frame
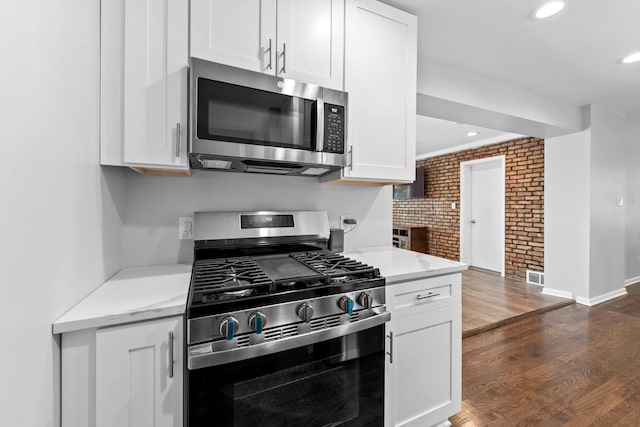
x: 465, y: 205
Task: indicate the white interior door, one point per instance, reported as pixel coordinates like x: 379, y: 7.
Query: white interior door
x: 487, y: 215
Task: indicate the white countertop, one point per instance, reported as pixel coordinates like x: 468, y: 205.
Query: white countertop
x: 400, y: 265
x: 133, y: 294
x: 144, y: 293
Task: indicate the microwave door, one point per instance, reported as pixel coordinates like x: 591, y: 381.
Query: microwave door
x: 290, y: 122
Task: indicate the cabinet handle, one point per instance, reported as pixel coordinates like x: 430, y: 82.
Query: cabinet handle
x: 284, y: 58
x: 170, y: 354
x: 270, y: 54
x: 429, y: 295
x: 350, y: 164
x: 390, y: 352
x: 178, y: 139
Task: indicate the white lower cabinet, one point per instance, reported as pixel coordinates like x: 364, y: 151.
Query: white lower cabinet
x: 423, y: 377
x: 129, y: 375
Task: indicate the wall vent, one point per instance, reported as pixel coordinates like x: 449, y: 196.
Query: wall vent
x: 535, y: 277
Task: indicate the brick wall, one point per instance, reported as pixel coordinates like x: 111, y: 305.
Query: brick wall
x: 524, y: 204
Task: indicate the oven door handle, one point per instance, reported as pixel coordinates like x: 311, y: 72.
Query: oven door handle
x: 202, y: 356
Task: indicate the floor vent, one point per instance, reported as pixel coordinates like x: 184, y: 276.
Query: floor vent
x: 535, y: 277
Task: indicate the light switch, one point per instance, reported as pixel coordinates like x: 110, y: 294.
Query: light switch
x: 453, y: 205
x: 619, y: 201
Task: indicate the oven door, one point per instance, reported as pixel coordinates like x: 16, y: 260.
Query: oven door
x: 335, y: 382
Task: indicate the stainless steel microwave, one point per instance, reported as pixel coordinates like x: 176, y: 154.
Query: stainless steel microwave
x: 244, y: 121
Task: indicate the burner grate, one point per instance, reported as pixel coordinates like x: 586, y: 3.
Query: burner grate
x: 335, y: 266
x: 227, y: 278
x: 232, y: 283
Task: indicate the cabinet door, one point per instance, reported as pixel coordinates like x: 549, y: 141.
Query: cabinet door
x: 177, y: 76
x: 423, y: 384
x: 137, y: 383
x: 311, y: 41
x: 237, y: 33
x: 380, y: 77
x: 155, y: 82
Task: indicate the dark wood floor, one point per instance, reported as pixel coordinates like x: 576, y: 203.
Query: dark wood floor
x: 574, y: 366
x: 490, y: 301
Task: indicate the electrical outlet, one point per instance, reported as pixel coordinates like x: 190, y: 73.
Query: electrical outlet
x: 342, y: 218
x: 185, y: 228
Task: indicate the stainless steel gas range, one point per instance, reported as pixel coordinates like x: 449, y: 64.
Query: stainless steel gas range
x: 281, y: 331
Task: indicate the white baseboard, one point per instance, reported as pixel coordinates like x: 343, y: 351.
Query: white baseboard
x: 632, y: 281
x: 590, y: 302
x: 557, y: 293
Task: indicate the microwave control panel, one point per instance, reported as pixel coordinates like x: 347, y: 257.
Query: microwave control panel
x: 333, y: 128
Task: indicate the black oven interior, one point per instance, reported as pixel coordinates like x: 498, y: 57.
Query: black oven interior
x: 339, y: 382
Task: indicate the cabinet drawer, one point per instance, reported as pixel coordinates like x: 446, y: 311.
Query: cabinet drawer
x: 405, y: 299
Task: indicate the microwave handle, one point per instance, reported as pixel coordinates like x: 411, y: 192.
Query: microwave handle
x: 320, y: 125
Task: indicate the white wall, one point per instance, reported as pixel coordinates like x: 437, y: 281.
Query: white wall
x: 632, y: 208
x: 566, y: 213
x: 153, y: 205
x: 609, y: 135
x: 61, y: 215
x: 591, y: 244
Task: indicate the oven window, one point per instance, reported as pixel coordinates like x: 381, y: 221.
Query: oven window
x: 232, y: 113
x: 334, y: 383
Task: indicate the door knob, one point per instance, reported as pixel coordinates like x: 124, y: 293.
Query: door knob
x: 473, y: 221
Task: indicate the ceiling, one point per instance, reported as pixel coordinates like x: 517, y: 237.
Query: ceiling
x: 572, y: 56
x: 436, y: 135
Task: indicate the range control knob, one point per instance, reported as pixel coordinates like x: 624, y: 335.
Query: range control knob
x: 366, y: 300
x: 229, y: 327
x: 346, y: 304
x: 305, y: 312
x: 257, y: 321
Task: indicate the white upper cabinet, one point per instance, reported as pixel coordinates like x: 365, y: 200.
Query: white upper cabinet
x: 144, y: 71
x: 234, y: 32
x: 311, y: 41
x: 298, y: 39
x: 380, y: 77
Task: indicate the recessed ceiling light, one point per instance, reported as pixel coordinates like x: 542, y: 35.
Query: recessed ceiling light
x: 548, y: 9
x: 474, y: 133
x: 634, y: 57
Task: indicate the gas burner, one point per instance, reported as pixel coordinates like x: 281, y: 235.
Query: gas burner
x: 338, y: 279
x: 236, y: 280
x: 300, y: 284
x: 239, y: 293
